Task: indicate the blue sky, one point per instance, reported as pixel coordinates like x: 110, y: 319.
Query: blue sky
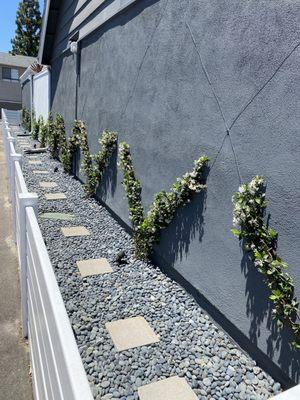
x: 7, y: 23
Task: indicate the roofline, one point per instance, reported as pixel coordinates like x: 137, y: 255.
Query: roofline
x: 110, y: 11
x: 30, y: 72
x: 44, y: 30
x: 25, y: 74
x: 16, y: 61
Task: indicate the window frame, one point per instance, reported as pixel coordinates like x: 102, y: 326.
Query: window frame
x: 11, y: 79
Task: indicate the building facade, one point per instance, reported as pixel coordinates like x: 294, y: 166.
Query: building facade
x: 176, y: 80
x: 11, y: 68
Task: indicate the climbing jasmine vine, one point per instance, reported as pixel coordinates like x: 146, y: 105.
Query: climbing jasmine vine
x: 261, y: 241
x: 26, y: 119
x: 91, y: 165
x: 53, y: 137
x: 132, y: 186
x: 43, y: 132
x: 147, y: 229
x: 36, y: 128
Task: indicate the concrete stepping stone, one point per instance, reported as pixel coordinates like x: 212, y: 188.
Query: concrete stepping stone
x: 37, y: 171
x: 55, y: 196
x: 46, y: 185
x: 131, y: 332
x: 75, y: 231
x: 57, y: 216
x: 173, y: 388
x: 34, y: 162
x: 94, y: 266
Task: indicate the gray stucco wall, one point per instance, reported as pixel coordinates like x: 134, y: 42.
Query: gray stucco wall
x: 141, y: 75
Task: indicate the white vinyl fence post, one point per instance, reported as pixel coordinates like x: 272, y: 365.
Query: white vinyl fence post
x: 4, y: 132
x: 9, y: 140
x: 13, y: 158
x: 25, y: 200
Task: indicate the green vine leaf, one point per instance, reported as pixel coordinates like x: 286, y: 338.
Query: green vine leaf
x: 248, y: 211
x: 236, y: 232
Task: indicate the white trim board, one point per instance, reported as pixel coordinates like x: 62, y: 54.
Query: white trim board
x: 105, y: 15
x: 109, y: 12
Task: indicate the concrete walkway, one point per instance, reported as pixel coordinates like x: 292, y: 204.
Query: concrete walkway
x: 14, y: 361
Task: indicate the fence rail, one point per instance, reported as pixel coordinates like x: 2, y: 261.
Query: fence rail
x: 57, y: 369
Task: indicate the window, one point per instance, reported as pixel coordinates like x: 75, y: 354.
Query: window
x: 10, y: 74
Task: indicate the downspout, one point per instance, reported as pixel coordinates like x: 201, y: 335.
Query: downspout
x: 75, y: 50
x: 49, y: 90
x: 77, y: 66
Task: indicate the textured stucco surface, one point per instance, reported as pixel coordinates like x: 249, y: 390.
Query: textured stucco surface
x: 142, y: 76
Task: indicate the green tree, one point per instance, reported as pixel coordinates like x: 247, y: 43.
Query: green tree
x: 28, y: 21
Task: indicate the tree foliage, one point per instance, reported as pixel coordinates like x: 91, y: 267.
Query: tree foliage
x: 27, y: 34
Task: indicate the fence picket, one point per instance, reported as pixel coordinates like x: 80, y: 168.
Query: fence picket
x: 57, y: 369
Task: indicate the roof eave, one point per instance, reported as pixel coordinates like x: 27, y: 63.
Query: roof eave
x: 25, y: 75
x: 43, y: 32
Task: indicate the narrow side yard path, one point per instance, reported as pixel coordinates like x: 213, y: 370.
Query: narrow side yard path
x: 133, y: 325
x: 14, y: 361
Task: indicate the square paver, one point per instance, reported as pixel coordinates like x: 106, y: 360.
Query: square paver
x: 131, y: 332
x: 48, y: 184
x: 173, y: 388
x: 75, y: 231
x: 94, y: 266
x: 36, y: 171
x: 55, y: 196
x: 34, y: 162
x: 57, y: 216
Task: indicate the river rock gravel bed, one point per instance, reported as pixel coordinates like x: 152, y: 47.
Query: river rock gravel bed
x: 190, y: 345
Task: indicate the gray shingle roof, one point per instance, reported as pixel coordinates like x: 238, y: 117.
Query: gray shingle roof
x: 16, y: 61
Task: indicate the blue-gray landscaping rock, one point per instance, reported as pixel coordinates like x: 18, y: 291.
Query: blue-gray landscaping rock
x: 190, y: 345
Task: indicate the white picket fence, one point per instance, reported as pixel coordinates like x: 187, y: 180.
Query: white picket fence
x: 57, y: 369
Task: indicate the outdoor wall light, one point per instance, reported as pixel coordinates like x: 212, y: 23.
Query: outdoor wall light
x: 74, y: 47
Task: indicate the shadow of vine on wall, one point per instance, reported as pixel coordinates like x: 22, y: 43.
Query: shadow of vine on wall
x: 258, y: 306
x: 259, y: 309
x: 187, y: 225
x: 109, y: 178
